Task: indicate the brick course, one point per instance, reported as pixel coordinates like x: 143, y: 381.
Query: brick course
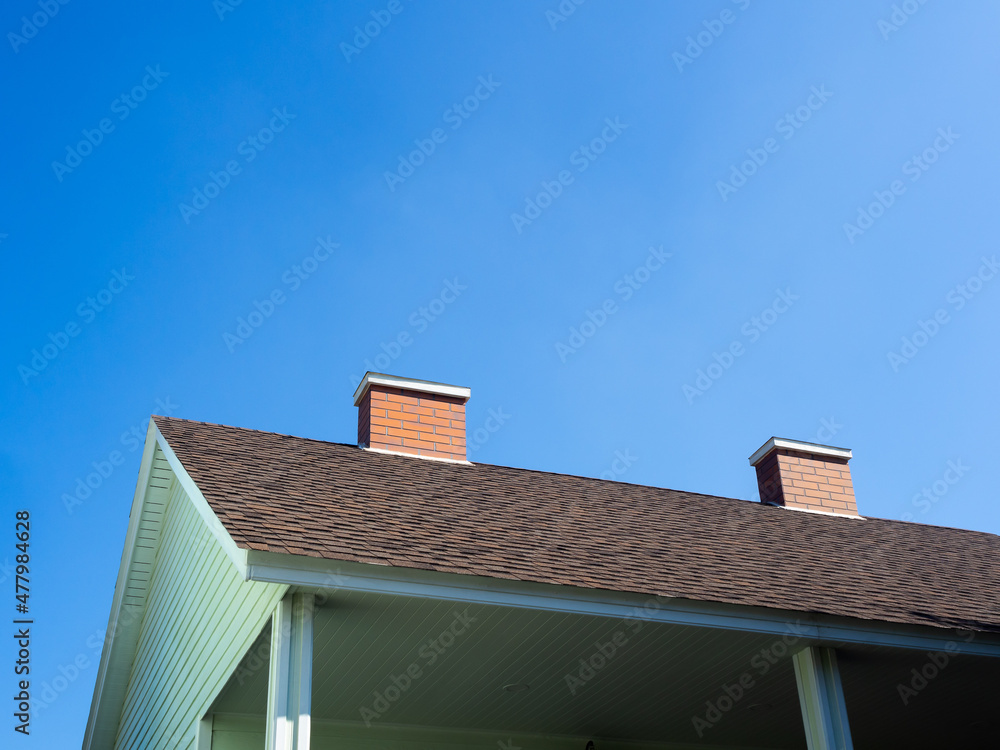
x: 422, y: 424
x: 806, y: 481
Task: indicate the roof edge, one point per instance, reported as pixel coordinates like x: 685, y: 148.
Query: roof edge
x: 310, y: 572
x: 236, y: 554
x: 113, y: 635
x: 131, y: 537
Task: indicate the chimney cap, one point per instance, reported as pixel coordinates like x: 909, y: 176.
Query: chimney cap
x: 798, y: 445
x: 409, y: 384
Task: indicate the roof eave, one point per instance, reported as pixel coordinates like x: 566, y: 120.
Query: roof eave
x: 319, y: 573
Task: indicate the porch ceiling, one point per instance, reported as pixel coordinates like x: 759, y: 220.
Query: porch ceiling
x: 658, y: 679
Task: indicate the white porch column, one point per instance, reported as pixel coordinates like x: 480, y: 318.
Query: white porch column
x: 289, y: 686
x: 821, y: 697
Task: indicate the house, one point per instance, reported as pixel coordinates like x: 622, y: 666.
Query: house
x: 282, y: 592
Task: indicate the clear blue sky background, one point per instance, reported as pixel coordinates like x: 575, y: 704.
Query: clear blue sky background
x: 162, y: 337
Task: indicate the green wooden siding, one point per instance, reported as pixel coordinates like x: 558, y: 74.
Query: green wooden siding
x: 200, y: 619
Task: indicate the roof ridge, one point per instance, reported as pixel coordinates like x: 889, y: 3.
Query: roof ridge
x: 494, y: 466
x: 598, y: 480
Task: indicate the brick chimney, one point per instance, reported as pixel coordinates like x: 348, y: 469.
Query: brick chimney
x: 805, y: 476
x: 417, y: 417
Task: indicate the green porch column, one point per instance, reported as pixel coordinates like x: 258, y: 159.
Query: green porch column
x: 821, y: 697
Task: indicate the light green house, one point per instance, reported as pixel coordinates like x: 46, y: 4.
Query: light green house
x: 285, y: 593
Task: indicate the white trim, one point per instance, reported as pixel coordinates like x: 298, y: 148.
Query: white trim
x: 801, y: 446
x: 289, y: 689
x: 386, y: 451
x: 313, y: 573
x: 203, y: 733
x: 237, y: 555
x: 145, y: 470
x: 821, y: 698
x: 278, y: 733
x: 409, y: 384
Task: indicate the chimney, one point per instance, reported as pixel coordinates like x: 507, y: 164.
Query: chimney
x: 416, y: 417
x: 805, y: 476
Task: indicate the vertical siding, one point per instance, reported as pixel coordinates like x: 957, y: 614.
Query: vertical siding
x: 200, y: 618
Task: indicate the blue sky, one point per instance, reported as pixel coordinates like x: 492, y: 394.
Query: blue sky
x: 815, y: 187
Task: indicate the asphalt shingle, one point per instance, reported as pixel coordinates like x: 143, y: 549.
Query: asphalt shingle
x: 336, y: 501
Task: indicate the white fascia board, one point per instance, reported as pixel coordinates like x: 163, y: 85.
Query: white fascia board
x: 409, y: 384
x: 145, y: 469
x: 801, y: 446
x: 237, y: 555
x: 313, y: 573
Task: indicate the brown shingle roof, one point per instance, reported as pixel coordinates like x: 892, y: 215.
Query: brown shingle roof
x: 300, y: 496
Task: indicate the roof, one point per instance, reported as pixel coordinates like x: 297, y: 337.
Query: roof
x: 307, y: 497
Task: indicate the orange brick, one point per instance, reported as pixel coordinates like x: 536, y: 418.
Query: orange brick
x: 419, y: 444
x: 398, y: 398
x: 805, y: 485
x: 818, y: 494
x: 396, y: 432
